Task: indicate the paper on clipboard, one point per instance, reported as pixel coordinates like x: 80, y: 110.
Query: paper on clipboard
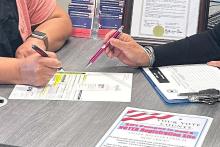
x: 169, y: 81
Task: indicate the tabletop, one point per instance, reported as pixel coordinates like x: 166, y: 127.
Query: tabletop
x: 42, y: 123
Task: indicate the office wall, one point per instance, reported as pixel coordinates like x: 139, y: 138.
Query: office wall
x: 63, y: 4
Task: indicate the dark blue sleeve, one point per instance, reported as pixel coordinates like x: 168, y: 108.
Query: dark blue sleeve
x: 199, y: 48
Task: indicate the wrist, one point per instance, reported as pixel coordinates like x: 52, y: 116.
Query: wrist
x: 149, y: 51
x: 40, y: 36
x: 21, y: 66
x: 38, y: 42
x: 15, y: 74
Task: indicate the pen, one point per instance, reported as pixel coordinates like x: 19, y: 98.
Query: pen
x: 42, y: 53
x: 104, y: 46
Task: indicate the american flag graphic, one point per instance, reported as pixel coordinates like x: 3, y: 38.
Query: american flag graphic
x: 142, y: 115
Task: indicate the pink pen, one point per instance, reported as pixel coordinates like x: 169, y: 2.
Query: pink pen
x: 104, y: 46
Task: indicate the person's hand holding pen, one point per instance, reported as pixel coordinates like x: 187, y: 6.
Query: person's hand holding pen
x: 37, y: 69
x: 126, y: 50
x: 106, y: 44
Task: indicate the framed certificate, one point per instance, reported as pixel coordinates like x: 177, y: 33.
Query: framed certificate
x: 159, y: 22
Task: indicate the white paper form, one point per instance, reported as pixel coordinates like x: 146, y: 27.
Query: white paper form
x: 163, y: 19
x: 80, y: 86
x: 172, y: 80
x: 149, y: 128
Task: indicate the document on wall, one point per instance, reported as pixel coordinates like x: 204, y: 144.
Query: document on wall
x: 169, y: 81
x: 80, y: 86
x: 165, y: 19
x: 140, y: 127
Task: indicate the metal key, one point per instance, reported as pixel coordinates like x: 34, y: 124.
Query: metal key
x: 208, y: 96
x: 202, y: 92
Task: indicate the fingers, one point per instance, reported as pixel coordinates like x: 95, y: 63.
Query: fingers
x: 51, y: 54
x: 49, y: 62
x: 108, y: 52
x: 36, y: 70
x: 214, y: 63
x: 126, y: 37
x: 121, y: 45
x: 109, y: 35
x: 112, y: 52
x: 43, y: 76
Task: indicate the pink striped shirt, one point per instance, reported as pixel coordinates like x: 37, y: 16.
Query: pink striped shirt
x: 32, y: 12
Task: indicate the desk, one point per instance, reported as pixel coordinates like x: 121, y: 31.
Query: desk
x: 82, y: 124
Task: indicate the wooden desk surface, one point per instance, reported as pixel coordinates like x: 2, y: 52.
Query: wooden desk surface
x: 82, y: 124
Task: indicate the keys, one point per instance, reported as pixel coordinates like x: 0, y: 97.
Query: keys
x: 208, y: 96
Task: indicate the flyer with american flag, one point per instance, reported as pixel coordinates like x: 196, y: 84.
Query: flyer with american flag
x: 139, y: 127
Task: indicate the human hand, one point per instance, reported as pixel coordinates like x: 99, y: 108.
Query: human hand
x: 214, y: 63
x: 26, y: 50
x: 36, y: 70
x: 126, y: 50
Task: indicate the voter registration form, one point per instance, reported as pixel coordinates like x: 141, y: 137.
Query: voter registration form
x: 80, y: 86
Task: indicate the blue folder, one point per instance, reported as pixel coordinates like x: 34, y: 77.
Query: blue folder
x: 162, y: 96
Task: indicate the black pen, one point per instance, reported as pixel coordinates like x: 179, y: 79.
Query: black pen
x: 42, y: 53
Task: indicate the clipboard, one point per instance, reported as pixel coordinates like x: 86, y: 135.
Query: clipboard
x: 162, y: 96
x: 203, y: 8
x: 185, y: 83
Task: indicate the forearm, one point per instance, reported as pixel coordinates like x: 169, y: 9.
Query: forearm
x: 199, y: 48
x: 9, y: 71
x: 58, y: 29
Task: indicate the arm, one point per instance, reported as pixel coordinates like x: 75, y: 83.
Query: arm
x: 199, y: 48
x: 58, y: 28
x: 9, y: 71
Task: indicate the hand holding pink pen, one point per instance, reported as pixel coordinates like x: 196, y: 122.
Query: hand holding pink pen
x: 102, y: 49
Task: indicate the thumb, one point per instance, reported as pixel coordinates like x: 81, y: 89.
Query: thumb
x: 214, y: 63
x: 121, y: 45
